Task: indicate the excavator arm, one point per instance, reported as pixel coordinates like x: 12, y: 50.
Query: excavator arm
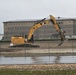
x: 43, y: 22
x: 58, y: 29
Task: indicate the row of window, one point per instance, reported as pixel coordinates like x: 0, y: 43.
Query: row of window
x: 40, y: 29
x: 27, y: 23
x: 65, y: 22
x: 18, y: 28
x: 32, y: 23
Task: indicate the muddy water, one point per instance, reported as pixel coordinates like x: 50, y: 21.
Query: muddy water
x: 37, y: 60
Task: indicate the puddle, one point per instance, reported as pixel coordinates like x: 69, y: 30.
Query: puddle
x: 37, y: 60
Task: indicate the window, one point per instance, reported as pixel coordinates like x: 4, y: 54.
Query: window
x: 60, y: 22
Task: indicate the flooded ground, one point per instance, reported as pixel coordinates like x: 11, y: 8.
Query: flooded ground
x: 38, y: 60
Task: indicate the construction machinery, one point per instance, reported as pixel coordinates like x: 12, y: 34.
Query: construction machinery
x: 27, y: 40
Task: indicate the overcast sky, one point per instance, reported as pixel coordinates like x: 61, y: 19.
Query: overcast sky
x: 35, y: 9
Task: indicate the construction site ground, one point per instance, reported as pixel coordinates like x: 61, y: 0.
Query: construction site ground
x: 46, y: 48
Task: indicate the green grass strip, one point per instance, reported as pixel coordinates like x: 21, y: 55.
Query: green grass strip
x: 37, y: 72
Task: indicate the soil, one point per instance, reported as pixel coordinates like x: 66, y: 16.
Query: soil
x: 40, y: 67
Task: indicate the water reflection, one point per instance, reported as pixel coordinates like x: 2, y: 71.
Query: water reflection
x: 46, y: 59
x: 38, y: 60
x: 57, y: 59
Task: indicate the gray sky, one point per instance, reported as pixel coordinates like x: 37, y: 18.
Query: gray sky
x: 35, y: 9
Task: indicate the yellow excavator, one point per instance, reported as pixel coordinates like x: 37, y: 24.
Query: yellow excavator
x: 19, y: 40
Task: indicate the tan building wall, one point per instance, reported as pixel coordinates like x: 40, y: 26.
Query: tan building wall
x: 12, y: 28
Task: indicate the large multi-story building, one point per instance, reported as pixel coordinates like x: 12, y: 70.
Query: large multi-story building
x: 22, y: 28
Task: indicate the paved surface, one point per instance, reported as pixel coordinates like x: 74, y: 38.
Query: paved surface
x: 45, y: 47
x: 70, y: 50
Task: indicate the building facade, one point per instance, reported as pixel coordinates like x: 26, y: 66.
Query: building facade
x: 1, y: 36
x: 22, y: 28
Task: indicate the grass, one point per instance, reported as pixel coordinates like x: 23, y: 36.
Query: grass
x: 37, y: 72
